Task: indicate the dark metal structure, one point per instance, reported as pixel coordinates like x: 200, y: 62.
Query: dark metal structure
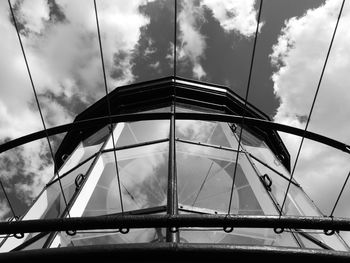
x: 199, y: 123
x: 177, y: 170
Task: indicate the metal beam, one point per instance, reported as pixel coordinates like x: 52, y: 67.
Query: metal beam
x: 177, y: 221
x: 176, y: 252
x: 88, y: 123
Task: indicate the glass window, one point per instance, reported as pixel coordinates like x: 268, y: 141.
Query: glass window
x: 143, y: 175
x: 112, y: 236
x: 307, y: 243
x: 142, y: 131
x: 37, y: 244
x: 51, y: 204
x: 98, y: 138
x: 85, y: 149
x: 264, y: 154
x: 278, y: 184
x: 205, y: 180
x: 239, y: 236
x: 181, y: 107
x: 208, y: 132
x: 248, y: 139
x: 298, y: 203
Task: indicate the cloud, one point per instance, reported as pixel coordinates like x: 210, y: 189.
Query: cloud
x: 298, y: 57
x: 192, y: 41
x: 233, y: 16
x: 4, y: 209
x: 239, y: 16
x: 60, y: 41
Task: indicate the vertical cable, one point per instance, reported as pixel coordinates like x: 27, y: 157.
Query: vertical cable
x: 8, y: 201
x: 245, y: 105
x: 109, y: 107
x: 312, y: 106
x: 175, y: 37
x: 38, y: 104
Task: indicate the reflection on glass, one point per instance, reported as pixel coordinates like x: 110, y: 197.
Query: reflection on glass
x: 110, y: 236
x: 279, y: 184
x: 37, y: 244
x: 205, y: 180
x: 55, y: 201
x: 208, y: 132
x: 264, y: 154
x: 301, y: 202
x: 98, y: 138
x: 143, y: 173
x: 142, y: 131
x: 248, y: 139
x: 85, y: 149
x: 239, y: 236
x: 181, y: 107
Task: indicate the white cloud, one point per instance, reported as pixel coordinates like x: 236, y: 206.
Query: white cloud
x: 299, y: 56
x: 238, y: 15
x: 192, y: 41
x: 4, y: 209
x: 34, y: 15
x: 65, y: 62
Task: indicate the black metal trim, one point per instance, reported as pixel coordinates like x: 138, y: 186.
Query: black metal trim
x: 264, y: 124
x: 176, y: 252
x: 180, y: 220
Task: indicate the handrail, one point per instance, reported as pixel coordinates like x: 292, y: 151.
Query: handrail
x: 328, y: 224
x: 88, y: 123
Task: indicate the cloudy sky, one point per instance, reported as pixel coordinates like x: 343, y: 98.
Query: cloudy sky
x: 215, y: 40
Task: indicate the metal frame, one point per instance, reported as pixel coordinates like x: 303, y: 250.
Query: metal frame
x: 176, y: 252
x: 94, y: 122
x: 128, y: 221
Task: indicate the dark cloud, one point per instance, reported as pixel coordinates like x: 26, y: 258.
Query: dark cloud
x: 156, y: 36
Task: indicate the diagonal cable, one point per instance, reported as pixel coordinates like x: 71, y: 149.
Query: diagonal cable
x: 245, y: 104
x: 340, y: 193
x: 203, y: 183
x: 8, y: 201
x: 109, y: 106
x: 312, y: 106
x: 38, y: 104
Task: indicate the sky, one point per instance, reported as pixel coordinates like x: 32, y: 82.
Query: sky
x: 214, y: 44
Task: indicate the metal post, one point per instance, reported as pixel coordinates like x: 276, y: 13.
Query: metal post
x: 172, y: 235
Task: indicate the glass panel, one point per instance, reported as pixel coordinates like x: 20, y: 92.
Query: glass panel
x: 264, y: 154
x: 110, y: 236
x: 298, y: 203
x: 248, y: 139
x: 85, y: 149
x: 50, y: 203
x: 333, y: 241
x: 205, y: 180
x: 143, y: 174
x: 181, y: 107
x: 55, y: 202
x: 279, y: 184
x: 162, y: 109
x: 37, y: 244
x: 239, y: 236
x: 216, y: 133
x: 142, y: 131
x: 305, y: 242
